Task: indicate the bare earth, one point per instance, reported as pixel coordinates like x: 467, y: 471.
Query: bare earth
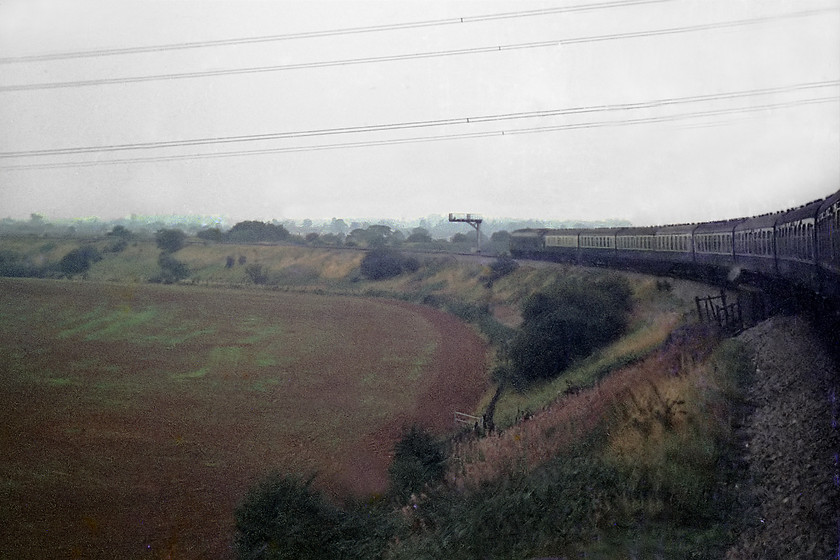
x: 104, y: 455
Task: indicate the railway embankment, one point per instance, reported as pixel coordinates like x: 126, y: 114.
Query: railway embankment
x: 790, y: 490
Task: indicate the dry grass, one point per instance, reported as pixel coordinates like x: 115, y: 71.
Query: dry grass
x: 668, y: 376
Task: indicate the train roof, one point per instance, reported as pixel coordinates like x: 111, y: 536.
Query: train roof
x: 721, y: 226
x: 676, y: 229
x: 644, y: 230
x: 760, y: 222
x: 830, y: 201
x: 805, y: 211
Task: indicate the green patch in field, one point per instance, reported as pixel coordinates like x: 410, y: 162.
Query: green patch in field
x: 58, y: 381
x: 148, y: 325
x: 258, y: 331
x: 265, y: 360
x: 201, y: 372
x: 105, y: 323
x: 415, y: 364
x: 264, y: 385
x: 223, y: 360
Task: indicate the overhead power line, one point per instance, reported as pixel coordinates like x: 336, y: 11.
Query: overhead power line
x: 415, y: 56
x: 324, y: 33
x: 416, y: 124
x: 443, y: 137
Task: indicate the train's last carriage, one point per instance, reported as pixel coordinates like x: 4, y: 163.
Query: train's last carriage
x: 828, y: 245
x: 796, y: 245
x: 527, y: 243
x: 755, y: 247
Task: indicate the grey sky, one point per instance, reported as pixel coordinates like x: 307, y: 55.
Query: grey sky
x: 686, y: 160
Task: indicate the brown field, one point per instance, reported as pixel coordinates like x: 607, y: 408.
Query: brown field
x: 135, y: 417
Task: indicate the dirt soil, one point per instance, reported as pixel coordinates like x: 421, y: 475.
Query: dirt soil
x: 159, y: 473
x: 790, y: 495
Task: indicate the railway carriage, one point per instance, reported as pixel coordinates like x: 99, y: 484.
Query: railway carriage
x: 796, y: 246
x: 597, y: 246
x: 562, y: 245
x: 801, y: 246
x: 713, y: 247
x: 755, y: 246
x: 828, y: 245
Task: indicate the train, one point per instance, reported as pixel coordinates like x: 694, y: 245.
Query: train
x: 799, y: 247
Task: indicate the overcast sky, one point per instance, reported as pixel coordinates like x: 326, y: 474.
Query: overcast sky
x: 695, y: 109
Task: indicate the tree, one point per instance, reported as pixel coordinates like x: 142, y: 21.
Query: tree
x: 121, y: 232
x: 170, y: 240
x: 252, y: 232
x: 419, y: 235
x: 338, y: 226
x: 501, y: 237
x: 210, y: 234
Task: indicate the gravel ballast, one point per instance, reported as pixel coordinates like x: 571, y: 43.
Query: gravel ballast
x: 789, y: 487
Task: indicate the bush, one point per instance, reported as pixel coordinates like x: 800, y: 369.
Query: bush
x: 256, y: 273
x: 382, y: 263
x: 565, y: 322
x: 284, y: 517
x: 14, y: 265
x: 500, y: 268
x: 418, y: 463
x: 171, y: 270
x: 170, y: 240
x: 78, y: 261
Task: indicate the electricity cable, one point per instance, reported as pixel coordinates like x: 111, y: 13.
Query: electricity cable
x: 418, y: 124
x: 436, y: 138
x: 323, y: 33
x: 413, y: 56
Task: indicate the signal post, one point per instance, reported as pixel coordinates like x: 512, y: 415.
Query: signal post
x: 474, y: 220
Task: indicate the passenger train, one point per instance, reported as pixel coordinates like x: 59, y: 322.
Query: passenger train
x: 800, y: 247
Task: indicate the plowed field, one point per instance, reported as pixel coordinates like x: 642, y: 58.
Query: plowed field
x: 134, y: 418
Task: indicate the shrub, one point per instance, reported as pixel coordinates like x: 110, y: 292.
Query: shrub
x: 418, y: 462
x: 78, y: 261
x: 284, y: 517
x: 171, y: 270
x: 256, y: 273
x: 14, y: 265
x: 382, y: 263
x: 500, y: 268
x: 567, y: 321
x: 170, y: 240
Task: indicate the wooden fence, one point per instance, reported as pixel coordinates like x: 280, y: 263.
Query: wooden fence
x: 462, y: 418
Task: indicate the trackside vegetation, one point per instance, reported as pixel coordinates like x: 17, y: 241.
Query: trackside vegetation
x: 613, y: 419
x: 651, y: 478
